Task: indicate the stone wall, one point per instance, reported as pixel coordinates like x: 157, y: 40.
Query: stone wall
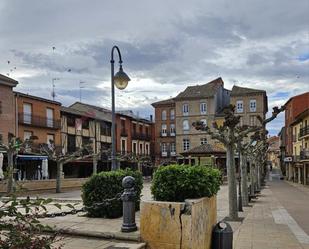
x: 185, y: 225
x: 37, y: 185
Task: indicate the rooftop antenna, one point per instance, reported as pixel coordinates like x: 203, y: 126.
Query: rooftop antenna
x: 80, y: 90
x: 53, y: 94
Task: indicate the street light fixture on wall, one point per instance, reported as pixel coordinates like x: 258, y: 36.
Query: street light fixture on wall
x: 120, y: 79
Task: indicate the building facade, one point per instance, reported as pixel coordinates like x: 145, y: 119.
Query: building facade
x: 273, y: 152
x: 7, y: 107
x: 198, y: 103
x: 133, y: 134
x: 38, y: 117
x: 165, y: 132
x: 294, y: 108
x: 249, y: 104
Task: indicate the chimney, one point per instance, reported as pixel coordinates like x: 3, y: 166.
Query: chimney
x: 151, y: 118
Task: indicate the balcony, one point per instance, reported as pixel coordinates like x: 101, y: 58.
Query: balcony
x: 123, y: 133
x: 163, y: 134
x: 140, y: 136
x: 304, y: 154
x: 304, y: 132
x: 38, y: 121
x: 173, y: 153
x: 172, y: 134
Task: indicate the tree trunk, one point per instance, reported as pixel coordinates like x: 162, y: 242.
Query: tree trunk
x: 251, y: 179
x: 59, y: 176
x: 231, y: 176
x: 258, y: 176
x: 10, y: 171
x: 95, y: 165
x: 244, y: 181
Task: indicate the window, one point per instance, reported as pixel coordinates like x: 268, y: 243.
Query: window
x: 50, y: 117
x: 204, y: 140
x: 185, y: 125
x: 172, y: 114
x: 252, y: 105
x: 147, y: 149
x: 123, y: 146
x: 164, y: 130
x: 134, y: 128
x: 239, y: 106
x: 173, y: 131
x: 70, y: 121
x: 204, y: 121
x: 85, y: 123
x: 50, y: 137
x: 86, y: 140
x: 203, y: 108
x: 252, y: 121
x: 163, y: 115
x: 173, y: 148
x: 105, y: 128
x: 140, y: 148
x: 71, y: 143
x: 140, y: 129
x: 164, y: 149
x: 123, y: 127
x: 27, y: 108
x: 186, y: 144
x: 147, y: 130
x: 134, y: 148
x: 27, y: 134
x: 185, y: 109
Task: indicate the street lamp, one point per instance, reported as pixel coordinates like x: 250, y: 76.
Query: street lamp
x: 120, y: 79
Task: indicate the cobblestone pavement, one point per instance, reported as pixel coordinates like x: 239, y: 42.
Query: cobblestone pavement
x: 269, y: 225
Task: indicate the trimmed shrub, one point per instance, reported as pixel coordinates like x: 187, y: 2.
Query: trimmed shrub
x: 106, y: 185
x: 180, y: 182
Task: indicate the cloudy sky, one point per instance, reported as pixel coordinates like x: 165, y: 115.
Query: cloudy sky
x: 166, y: 45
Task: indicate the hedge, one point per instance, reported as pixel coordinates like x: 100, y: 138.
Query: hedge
x: 107, y: 185
x: 180, y: 182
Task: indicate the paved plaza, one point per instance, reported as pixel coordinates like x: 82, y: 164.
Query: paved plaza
x: 272, y: 221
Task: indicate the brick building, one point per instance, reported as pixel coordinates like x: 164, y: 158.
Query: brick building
x: 133, y: 134
x: 7, y: 107
x: 165, y: 131
x: 40, y: 118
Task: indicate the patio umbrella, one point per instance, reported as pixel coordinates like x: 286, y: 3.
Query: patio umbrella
x: 1, y: 165
x: 45, y: 169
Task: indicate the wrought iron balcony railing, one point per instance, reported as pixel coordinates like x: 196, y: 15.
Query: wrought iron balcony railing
x: 38, y: 121
x: 304, y: 154
x: 304, y: 131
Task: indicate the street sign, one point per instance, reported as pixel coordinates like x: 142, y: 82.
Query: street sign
x: 288, y: 159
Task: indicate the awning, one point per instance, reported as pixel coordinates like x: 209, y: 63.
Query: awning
x: 31, y: 157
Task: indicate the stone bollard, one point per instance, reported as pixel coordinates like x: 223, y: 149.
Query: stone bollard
x: 128, y: 200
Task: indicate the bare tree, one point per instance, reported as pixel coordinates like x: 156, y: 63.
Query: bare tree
x: 55, y: 154
x: 229, y: 135
x: 12, y: 148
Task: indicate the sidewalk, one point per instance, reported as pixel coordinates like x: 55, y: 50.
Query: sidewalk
x: 269, y: 226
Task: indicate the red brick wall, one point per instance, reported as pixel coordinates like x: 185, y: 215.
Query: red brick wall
x: 7, y: 115
x: 39, y: 109
x: 294, y: 107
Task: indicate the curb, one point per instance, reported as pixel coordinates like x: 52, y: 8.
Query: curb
x: 103, y: 235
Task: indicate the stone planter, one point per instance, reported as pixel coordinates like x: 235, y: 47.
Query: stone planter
x: 181, y: 225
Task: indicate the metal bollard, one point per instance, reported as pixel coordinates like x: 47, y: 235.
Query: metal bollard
x: 128, y: 200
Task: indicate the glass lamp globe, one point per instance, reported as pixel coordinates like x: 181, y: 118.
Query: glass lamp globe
x: 121, y: 79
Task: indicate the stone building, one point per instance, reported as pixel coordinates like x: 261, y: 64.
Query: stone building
x: 7, y: 107
x: 198, y: 103
x: 249, y: 103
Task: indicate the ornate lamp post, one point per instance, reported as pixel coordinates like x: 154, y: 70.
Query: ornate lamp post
x: 120, y: 79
